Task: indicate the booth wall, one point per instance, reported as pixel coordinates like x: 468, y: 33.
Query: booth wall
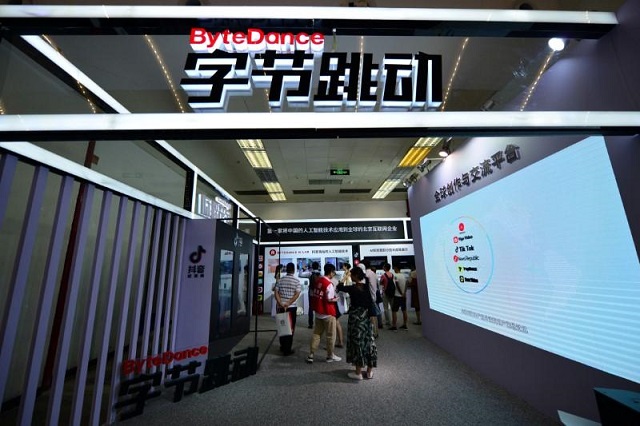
x: 594, y: 75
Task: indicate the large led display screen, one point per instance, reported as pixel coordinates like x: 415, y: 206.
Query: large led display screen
x: 544, y: 256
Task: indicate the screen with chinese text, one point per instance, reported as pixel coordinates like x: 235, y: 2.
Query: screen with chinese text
x: 544, y: 256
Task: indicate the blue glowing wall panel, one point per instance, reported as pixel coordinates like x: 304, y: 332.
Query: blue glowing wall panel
x: 544, y: 256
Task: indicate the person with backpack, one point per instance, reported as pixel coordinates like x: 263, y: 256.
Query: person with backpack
x: 388, y: 292
x: 399, y: 299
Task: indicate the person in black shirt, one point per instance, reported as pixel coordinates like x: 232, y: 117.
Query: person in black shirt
x: 361, y: 348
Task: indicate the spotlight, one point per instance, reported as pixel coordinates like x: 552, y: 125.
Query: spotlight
x: 556, y: 44
x: 446, y: 148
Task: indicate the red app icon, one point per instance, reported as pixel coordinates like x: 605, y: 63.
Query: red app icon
x: 455, y: 240
x: 455, y: 258
x: 461, y: 226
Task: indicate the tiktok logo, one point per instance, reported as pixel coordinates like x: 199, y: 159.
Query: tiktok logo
x: 196, y: 256
x: 196, y: 270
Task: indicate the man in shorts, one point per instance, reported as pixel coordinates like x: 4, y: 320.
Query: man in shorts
x: 399, y: 300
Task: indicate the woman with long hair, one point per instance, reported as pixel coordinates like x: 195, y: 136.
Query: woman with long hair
x: 361, y: 347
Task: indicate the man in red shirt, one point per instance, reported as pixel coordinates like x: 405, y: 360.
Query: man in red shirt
x: 323, y: 297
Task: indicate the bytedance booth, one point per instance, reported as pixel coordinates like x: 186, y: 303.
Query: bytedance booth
x: 215, y: 293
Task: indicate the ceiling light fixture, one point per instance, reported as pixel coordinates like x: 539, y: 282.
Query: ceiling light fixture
x: 275, y: 191
x: 272, y: 186
x: 386, y: 187
x: 556, y: 44
x: 254, y: 151
x: 427, y: 142
x: 446, y: 148
x: 258, y: 159
x: 250, y: 143
x: 414, y: 156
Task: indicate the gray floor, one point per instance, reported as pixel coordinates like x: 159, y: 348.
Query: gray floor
x: 416, y: 383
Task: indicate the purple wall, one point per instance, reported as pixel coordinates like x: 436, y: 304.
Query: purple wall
x: 195, y: 288
x: 594, y: 75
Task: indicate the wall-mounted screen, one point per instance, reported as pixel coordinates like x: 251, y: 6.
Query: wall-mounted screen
x: 544, y: 256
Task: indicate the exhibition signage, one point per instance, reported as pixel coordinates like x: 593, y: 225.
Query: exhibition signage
x: 233, y: 63
x: 184, y: 377
x: 213, y: 208
x: 335, y: 231
x: 386, y: 250
x: 483, y: 169
x: 545, y: 255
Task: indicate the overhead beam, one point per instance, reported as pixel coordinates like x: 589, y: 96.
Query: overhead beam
x: 298, y: 125
x: 91, y: 20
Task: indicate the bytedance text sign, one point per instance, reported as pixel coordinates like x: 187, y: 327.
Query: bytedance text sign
x: 233, y: 63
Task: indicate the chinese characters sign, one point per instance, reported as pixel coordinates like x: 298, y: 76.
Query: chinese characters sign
x: 485, y: 168
x: 227, y: 64
x: 213, y: 208
x: 335, y: 231
x: 218, y: 371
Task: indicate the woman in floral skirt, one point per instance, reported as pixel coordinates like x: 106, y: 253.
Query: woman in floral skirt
x: 361, y: 347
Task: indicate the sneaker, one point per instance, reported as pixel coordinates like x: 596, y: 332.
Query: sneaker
x: 404, y: 327
x: 394, y: 329
x: 355, y: 376
x: 310, y: 359
x: 417, y: 323
x: 291, y: 352
x: 333, y: 357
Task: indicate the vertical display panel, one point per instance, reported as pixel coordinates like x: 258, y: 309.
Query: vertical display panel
x: 544, y: 256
